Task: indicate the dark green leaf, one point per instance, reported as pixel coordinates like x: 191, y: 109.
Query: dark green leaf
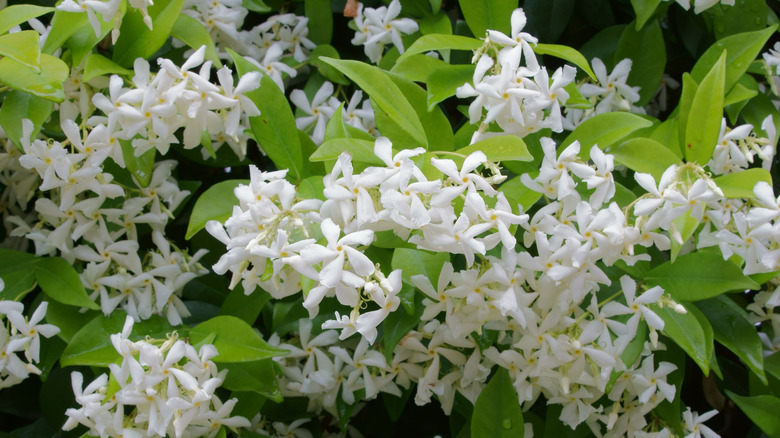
x: 444, y: 81
x: 136, y: 40
x: 647, y: 50
x: 140, y: 167
x: 216, y: 204
x: 762, y: 410
x: 60, y: 282
x: 684, y: 329
x: 258, y: 376
x: 17, y: 272
x: 320, y: 17
x: 194, y: 34
x: 19, y: 105
x: 698, y: 276
x: 644, y: 9
x: 497, y: 411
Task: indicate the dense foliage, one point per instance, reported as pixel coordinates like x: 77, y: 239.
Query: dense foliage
x: 312, y: 218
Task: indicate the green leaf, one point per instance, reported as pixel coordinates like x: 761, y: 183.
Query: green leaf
x: 417, y: 68
x: 547, y: 19
x: 19, y: 105
x: 256, y: 6
x: 739, y: 93
x: 60, y: 282
x: 136, y: 40
x: 361, y: 150
x: 444, y: 81
x: 426, y: 43
x: 704, y: 119
x: 419, y: 262
x: 83, y: 39
x: 497, y: 412
x: 320, y: 15
x: 741, y: 184
x: 23, y: 47
x: 63, y: 25
x: 482, y: 16
x: 666, y: 134
x: 215, y: 204
x: 647, y: 50
x: 243, y: 306
x: 325, y: 69
x: 92, y: 344
x: 733, y: 329
x: 644, y: 9
x: 194, y: 34
x: 567, y: 54
x: 46, y: 84
x: 762, y: 410
x: 68, y: 321
x: 274, y: 128
x: 517, y: 192
x: 435, y: 124
x: 698, y: 276
x: 645, y: 155
x: 437, y: 24
x: 13, y: 15
x: 605, y: 130
x: 236, y: 341
x: 743, y: 16
x: 741, y: 49
x: 684, y: 329
x: 685, y: 225
x: 139, y: 166
x: 257, y: 376
x: 98, y: 65
x: 385, y: 95
x: 499, y: 148
x: 16, y: 270
x: 398, y: 323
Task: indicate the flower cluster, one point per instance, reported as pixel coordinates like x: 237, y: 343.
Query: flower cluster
x: 317, y: 112
x: 520, y: 97
x: 378, y: 27
x: 20, y: 341
x: 737, y: 147
x: 170, y: 389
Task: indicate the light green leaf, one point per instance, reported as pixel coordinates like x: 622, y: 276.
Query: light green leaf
x: 325, y: 69
x: 645, y: 155
x: 320, y: 15
x: 666, y: 134
x: 215, y: 204
x: 605, y: 130
x: 426, y: 43
x: 139, y: 166
x: 741, y: 184
x: 194, y: 34
x: 98, y: 65
x: 257, y: 376
x: 92, y: 346
x: 647, y: 50
x: 19, y: 105
x: 733, y: 329
x: 644, y: 9
x: 46, y: 84
x: 236, y: 341
x: 741, y: 49
x: 385, y: 95
x: 361, y: 150
x: 256, y: 6
x: 63, y: 25
x: 517, y: 192
x: 497, y: 412
x: 444, y: 81
x: 482, y: 16
x: 567, y: 54
x: 704, y: 119
x: 435, y: 124
x: 60, y: 282
x: 499, y: 148
x: 417, y: 67
x: 689, y: 88
x: 762, y: 410
x: 419, y: 262
x: 685, y: 225
x: 684, y: 329
x: 136, y: 40
x: 698, y: 276
x: 274, y: 128
x: 739, y: 93
x: 13, y: 15
x: 23, y: 47
x: 83, y: 40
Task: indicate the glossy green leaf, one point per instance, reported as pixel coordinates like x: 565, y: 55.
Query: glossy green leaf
x: 761, y: 409
x: 215, y: 204
x: 500, y: 148
x: 19, y: 105
x: 605, y: 130
x: 243, y: 306
x: 644, y: 9
x: 685, y: 225
x: 256, y: 6
x: 645, y: 155
x: 698, y: 276
x: 704, y: 120
x: 98, y: 65
x: 739, y: 93
x: 235, y: 340
x: 741, y: 184
x: 17, y: 272
x: 482, y: 16
x: 497, y: 412
x: 684, y: 329
x: 140, y: 167
x: 274, y: 128
x: 325, y: 69
x: 68, y: 321
x: 92, y: 344
x: 443, y: 82
x: 647, y: 50
x: 385, y: 95
x: 517, y: 192
x: 547, y: 19
x: 194, y: 34
x: 689, y: 88
x: 437, y: 24
x: 83, y: 40
x: 419, y: 262
x: 742, y: 16
x: 733, y: 329
x: 320, y: 15
x: 567, y: 54
x: 417, y: 68
x: 46, y: 84
x: 14, y: 15
x: 361, y: 150
x: 257, y: 376
x: 63, y: 25
x: 427, y: 43
x: 136, y: 40
x: 741, y: 49
x: 435, y: 124
x: 60, y: 282
x: 23, y: 47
